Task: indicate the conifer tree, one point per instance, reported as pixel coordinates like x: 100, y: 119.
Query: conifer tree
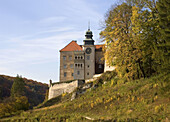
x: 18, y: 87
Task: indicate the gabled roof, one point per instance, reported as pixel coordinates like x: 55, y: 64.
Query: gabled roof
x: 99, y: 46
x: 72, y: 46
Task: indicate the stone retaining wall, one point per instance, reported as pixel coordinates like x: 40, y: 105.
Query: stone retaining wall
x: 58, y: 89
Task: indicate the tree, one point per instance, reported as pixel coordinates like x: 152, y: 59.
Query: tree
x: 117, y: 37
x: 18, y: 87
x: 163, y: 7
x: 132, y: 36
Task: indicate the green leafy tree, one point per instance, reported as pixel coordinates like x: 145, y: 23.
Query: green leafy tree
x: 18, y: 87
x: 163, y: 7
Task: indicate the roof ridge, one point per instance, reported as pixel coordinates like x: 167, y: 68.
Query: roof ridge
x: 73, y: 46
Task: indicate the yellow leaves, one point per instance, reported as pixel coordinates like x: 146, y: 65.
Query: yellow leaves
x: 92, y: 105
x: 159, y: 108
x: 155, y: 98
x: 155, y: 85
x: 64, y: 94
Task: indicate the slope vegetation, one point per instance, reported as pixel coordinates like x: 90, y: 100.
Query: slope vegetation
x: 113, y: 99
x: 35, y: 91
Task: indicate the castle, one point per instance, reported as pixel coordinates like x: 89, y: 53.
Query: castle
x: 78, y: 63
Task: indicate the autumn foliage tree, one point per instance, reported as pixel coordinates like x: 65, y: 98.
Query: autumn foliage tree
x: 17, y: 101
x: 132, y: 37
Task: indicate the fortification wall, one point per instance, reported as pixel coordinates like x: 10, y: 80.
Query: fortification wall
x: 58, y: 89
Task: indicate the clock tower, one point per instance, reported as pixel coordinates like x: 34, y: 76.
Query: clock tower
x: 89, y: 49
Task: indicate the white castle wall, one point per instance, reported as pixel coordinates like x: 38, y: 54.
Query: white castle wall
x: 58, y: 89
x: 108, y: 67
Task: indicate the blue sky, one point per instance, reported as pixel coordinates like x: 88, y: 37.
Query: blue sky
x: 33, y: 31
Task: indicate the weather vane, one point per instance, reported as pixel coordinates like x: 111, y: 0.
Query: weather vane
x: 89, y: 25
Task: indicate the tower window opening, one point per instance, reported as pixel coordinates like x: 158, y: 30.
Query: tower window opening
x: 88, y: 57
x: 75, y: 57
x: 65, y: 74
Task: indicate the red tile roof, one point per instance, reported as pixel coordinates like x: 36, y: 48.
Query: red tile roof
x: 99, y: 46
x: 72, y: 46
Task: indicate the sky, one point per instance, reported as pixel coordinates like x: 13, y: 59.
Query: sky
x: 33, y: 31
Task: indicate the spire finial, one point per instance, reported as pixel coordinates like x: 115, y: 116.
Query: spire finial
x: 89, y: 25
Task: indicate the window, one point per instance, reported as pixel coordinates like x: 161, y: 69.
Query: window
x: 78, y: 72
x: 88, y: 66
x: 72, y: 74
x: 65, y: 74
x: 71, y: 65
x: 100, y: 60
x: 100, y: 66
x: 81, y: 65
x: 70, y: 58
x: 88, y: 73
x: 64, y: 57
x: 75, y: 65
x: 88, y: 57
x: 81, y: 57
x: 65, y: 66
x: 75, y: 57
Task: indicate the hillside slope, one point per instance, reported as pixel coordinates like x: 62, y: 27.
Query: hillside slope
x: 35, y: 91
x: 113, y: 100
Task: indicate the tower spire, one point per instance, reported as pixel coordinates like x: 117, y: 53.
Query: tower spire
x: 89, y: 25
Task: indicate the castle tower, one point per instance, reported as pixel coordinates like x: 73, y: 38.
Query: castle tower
x: 89, y: 49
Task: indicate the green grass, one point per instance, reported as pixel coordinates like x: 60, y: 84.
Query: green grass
x: 139, y: 100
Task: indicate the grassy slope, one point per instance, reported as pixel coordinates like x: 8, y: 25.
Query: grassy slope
x: 141, y: 100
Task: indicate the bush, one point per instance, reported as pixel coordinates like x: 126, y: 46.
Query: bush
x: 13, y: 105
